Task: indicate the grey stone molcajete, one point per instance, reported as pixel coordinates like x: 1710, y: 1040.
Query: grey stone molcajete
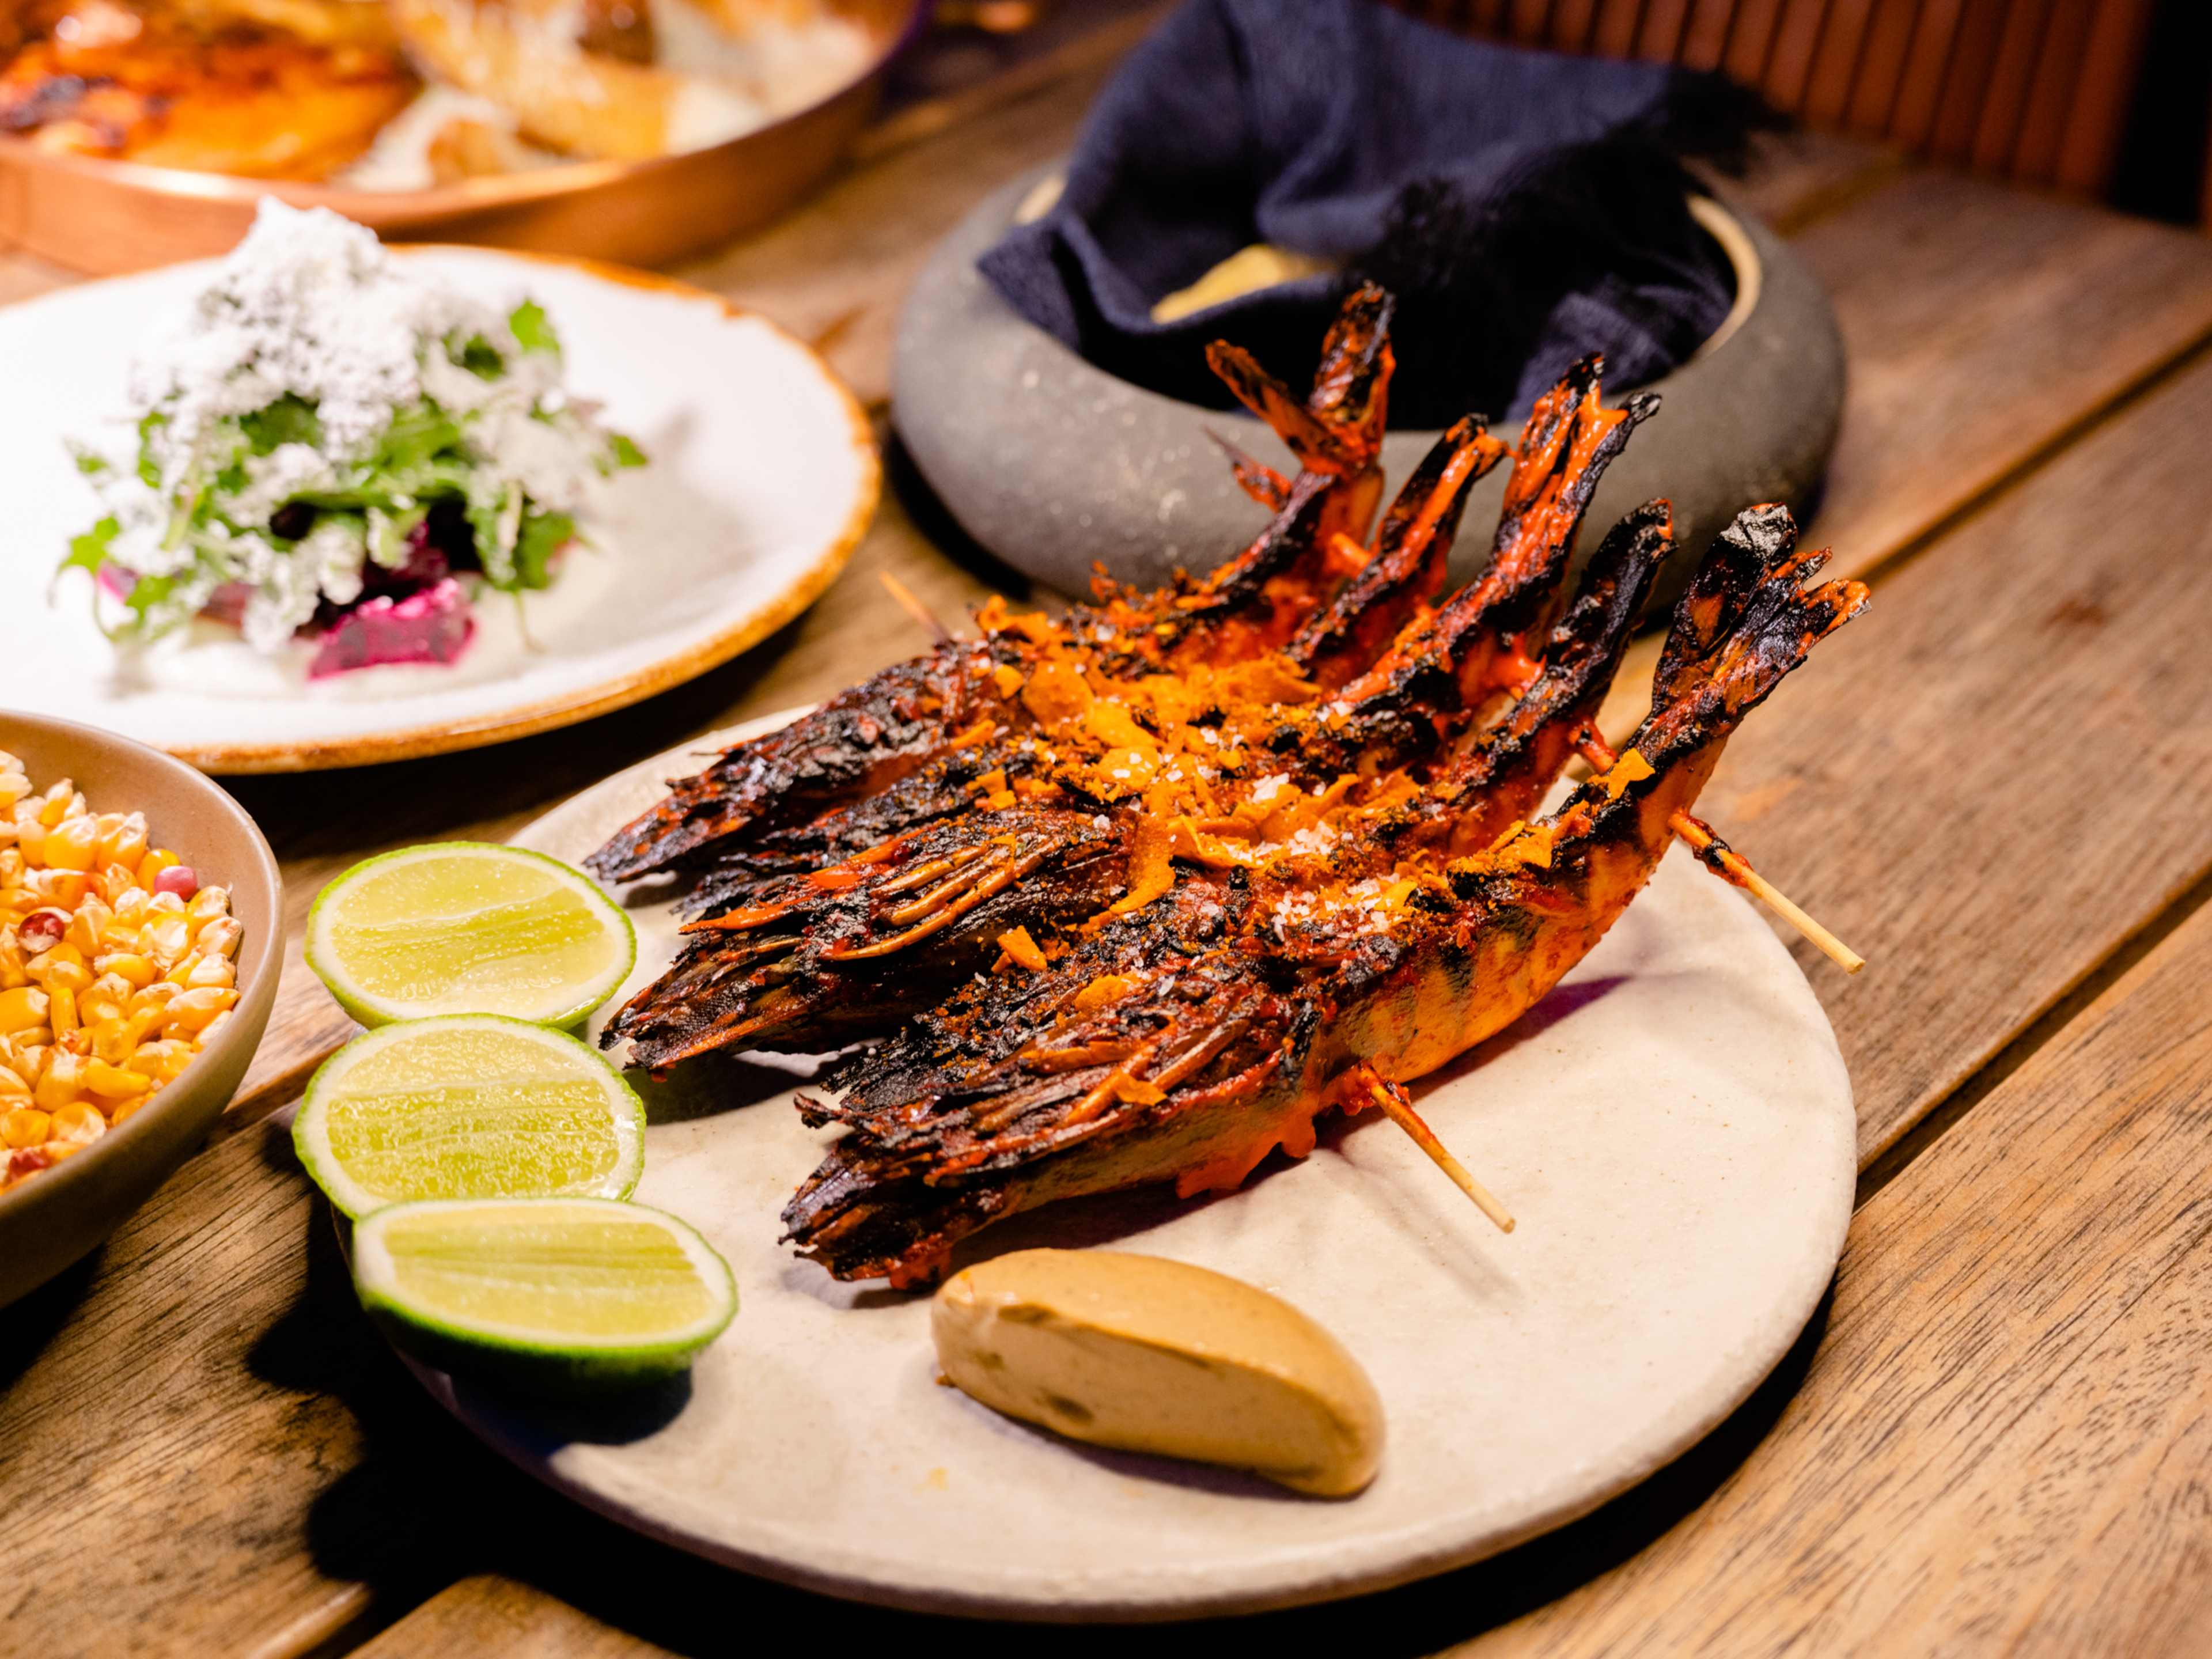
x: 1055, y: 465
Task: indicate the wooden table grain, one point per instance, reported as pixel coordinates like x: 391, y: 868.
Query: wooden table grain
x: 1996, y: 1434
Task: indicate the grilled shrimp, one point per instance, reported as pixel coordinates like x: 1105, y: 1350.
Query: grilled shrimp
x: 805, y: 961
x: 896, y: 723
x: 1197, y: 1052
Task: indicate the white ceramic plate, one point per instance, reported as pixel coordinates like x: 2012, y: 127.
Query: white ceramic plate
x: 1672, y: 1128
x: 764, y: 475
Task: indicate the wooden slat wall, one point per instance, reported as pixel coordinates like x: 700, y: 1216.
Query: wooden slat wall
x: 2036, y: 90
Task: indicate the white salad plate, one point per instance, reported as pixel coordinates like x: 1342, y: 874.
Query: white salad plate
x: 1673, y: 1128
x: 762, y: 476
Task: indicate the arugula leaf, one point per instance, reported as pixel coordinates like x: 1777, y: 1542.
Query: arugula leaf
x: 532, y: 331
x: 481, y: 358
x: 89, y: 550
x: 415, y: 436
x: 90, y: 465
x: 147, y: 593
x: 626, y: 452
x: 149, y: 470
x: 290, y: 420
x: 543, y: 535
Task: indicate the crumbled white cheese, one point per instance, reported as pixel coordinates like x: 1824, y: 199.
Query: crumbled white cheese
x: 311, y: 304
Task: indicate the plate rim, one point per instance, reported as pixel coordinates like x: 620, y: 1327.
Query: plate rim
x: 427, y: 738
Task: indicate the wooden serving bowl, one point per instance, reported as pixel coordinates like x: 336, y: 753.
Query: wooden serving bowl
x: 106, y: 217
x: 49, y: 1220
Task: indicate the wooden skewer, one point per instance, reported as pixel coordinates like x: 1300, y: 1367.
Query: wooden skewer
x: 1399, y: 1109
x: 914, y: 607
x: 1724, y: 861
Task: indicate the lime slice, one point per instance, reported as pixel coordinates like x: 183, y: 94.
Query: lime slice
x: 464, y: 927
x: 551, y: 1294
x: 468, y: 1106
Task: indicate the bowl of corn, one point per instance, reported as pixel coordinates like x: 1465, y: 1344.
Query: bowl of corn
x: 141, y: 923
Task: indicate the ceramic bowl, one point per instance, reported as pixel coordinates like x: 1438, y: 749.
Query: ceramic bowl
x: 102, y: 217
x: 1054, y: 464
x: 49, y: 1220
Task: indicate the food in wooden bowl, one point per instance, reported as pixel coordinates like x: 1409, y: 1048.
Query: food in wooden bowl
x: 329, y: 89
x: 140, y: 927
x: 137, y: 133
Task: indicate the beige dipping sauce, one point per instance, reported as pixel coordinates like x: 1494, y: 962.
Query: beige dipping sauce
x: 1149, y: 1355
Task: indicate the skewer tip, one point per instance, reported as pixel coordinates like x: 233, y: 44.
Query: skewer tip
x: 1400, y: 1110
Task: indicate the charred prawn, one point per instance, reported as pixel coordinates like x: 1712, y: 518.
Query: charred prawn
x: 1135, y: 895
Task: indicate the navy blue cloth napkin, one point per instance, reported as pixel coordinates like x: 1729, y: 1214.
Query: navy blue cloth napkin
x: 1526, y: 207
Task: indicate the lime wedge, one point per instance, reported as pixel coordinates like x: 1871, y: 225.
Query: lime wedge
x: 468, y: 1106
x: 467, y: 927
x: 559, y: 1296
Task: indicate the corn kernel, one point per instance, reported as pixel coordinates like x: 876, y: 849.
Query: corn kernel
x: 88, y: 926
x: 219, y: 937
x: 109, y: 1082
x: 152, y: 865
x: 79, y: 1121
x: 207, y: 903
x: 154, y: 1058
x: 60, y: 968
x: 215, y: 971
x: 189, y: 1013
x: 113, y: 1039
x: 124, y: 1109
x: 62, y: 1083
x: 26, y: 1126
x: 129, y: 966
x: 71, y: 844
x: 29, y: 1060
x: 166, y: 940
x: 61, y: 1010
x: 21, y: 1010
x: 13, y: 1089
x: 129, y: 846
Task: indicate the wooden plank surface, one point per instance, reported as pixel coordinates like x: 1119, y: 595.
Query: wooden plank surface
x: 1981, y: 326
x: 488, y: 1617
x: 204, y: 1448
x: 1993, y: 779
x: 2000, y: 1445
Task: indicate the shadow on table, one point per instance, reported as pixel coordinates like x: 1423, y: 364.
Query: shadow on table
x: 428, y: 1504
x: 695, y: 1609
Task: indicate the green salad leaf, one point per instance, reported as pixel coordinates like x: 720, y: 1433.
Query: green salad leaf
x: 531, y: 330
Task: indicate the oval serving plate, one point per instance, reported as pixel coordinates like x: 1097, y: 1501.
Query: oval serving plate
x: 105, y: 217
x: 1673, y: 1128
x: 763, y: 478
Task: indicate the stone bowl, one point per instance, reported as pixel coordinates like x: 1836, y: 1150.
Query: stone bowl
x: 1055, y: 465
x: 55, y: 1217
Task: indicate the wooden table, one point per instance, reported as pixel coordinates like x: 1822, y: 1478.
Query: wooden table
x: 1995, y: 1434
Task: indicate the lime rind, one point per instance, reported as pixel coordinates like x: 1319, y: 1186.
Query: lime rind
x: 369, y: 1009
x: 535, y: 1360
x: 310, y: 1129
